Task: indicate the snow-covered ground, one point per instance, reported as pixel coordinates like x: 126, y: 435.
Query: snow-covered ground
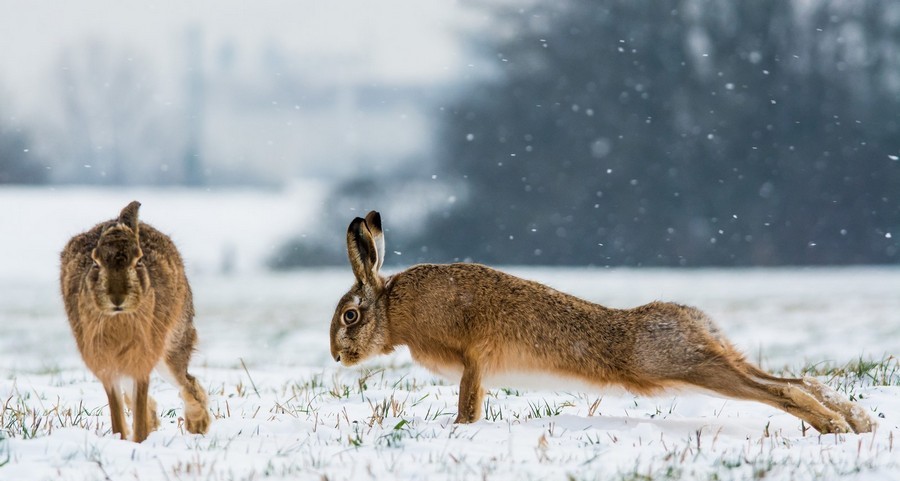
x: 285, y: 410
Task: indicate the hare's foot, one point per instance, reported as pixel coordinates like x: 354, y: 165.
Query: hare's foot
x: 197, y: 420
x: 463, y: 419
x: 809, y: 408
x: 860, y: 420
x: 854, y: 414
x: 124, y: 431
x: 196, y: 416
x: 836, y: 425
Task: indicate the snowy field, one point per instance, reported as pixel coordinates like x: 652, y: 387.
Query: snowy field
x: 284, y: 410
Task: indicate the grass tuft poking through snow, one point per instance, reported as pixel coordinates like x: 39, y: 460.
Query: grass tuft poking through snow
x: 859, y: 372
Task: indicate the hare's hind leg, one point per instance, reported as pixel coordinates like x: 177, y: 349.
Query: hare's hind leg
x: 724, y: 377
x: 196, y: 416
x: 174, y: 368
x: 195, y: 413
x: 114, y: 395
x: 854, y: 414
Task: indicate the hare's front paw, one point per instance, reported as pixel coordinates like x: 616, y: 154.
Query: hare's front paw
x: 125, y: 435
x: 860, y: 420
x: 197, y: 421
x: 464, y: 419
x: 836, y: 426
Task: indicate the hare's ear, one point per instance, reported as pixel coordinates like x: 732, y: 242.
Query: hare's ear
x: 373, y: 222
x: 129, y: 216
x: 363, y: 253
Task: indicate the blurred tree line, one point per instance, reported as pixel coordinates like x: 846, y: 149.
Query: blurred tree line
x: 17, y: 164
x: 109, y: 129
x: 634, y: 132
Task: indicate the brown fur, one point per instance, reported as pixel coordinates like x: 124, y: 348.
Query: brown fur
x: 130, y: 308
x: 481, y: 322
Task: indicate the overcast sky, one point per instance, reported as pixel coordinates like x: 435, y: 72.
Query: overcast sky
x: 399, y: 40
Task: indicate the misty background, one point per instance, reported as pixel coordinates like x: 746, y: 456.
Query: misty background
x: 635, y: 133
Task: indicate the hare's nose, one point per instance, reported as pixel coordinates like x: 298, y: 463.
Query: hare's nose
x: 337, y: 358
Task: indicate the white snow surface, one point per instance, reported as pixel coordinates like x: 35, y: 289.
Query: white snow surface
x: 284, y: 410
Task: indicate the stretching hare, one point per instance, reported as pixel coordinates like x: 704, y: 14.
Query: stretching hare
x: 476, y: 324
x: 130, y: 308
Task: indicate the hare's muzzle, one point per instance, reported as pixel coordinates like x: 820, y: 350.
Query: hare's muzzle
x: 337, y: 358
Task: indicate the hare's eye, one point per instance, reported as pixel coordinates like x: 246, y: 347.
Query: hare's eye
x: 351, y: 316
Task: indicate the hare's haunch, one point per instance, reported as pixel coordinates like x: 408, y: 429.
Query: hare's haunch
x: 483, y: 323
x: 130, y: 308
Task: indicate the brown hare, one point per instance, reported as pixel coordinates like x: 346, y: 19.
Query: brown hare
x: 131, y: 310
x: 476, y: 324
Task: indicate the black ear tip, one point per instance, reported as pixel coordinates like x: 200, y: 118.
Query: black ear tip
x: 373, y: 219
x: 354, y: 225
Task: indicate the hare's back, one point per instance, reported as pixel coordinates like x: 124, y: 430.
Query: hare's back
x: 472, y: 298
